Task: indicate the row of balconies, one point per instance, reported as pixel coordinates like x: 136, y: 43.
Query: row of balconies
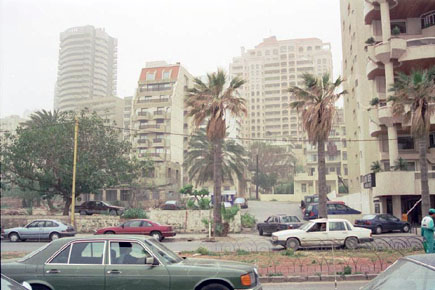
x: 155, y: 115
x: 401, y: 183
x: 156, y: 142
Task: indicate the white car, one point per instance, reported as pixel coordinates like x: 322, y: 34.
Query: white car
x: 323, y: 232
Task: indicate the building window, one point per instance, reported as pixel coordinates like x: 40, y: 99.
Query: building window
x: 125, y: 195
x: 344, y: 155
x: 304, y: 187
x: 151, y: 76
x: 432, y: 140
x: 166, y: 75
x: 111, y: 194
x: 405, y: 143
x: 346, y: 172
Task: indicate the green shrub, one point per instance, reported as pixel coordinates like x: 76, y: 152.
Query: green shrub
x: 205, y: 252
x: 278, y: 274
x: 190, y: 204
x: 241, y: 252
x: 228, y: 214
x: 134, y: 213
x: 288, y: 252
x: 347, y: 270
x: 248, y: 220
x: 204, y: 203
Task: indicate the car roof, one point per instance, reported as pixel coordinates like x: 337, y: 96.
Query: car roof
x: 428, y: 259
x: 47, y: 220
x: 105, y: 237
x: 329, y: 220
x: 283, y: 214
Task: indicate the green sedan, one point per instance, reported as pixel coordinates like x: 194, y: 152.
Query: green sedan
x: 127, y: 262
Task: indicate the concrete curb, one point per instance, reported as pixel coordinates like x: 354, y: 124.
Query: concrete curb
x: 317, y: 278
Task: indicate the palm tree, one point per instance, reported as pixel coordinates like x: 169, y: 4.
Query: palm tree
x: 414, y: 99
x: 317, y: 102
x: 212, y: 102
x: 43, y: 118
x: 199, y: 159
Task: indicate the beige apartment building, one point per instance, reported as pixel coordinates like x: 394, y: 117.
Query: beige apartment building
x: 369, y: 71
x: 128, y: 101
x: 269, y: 70
x: 87, y: 73
x: 159, y: 124
x: 336, y: 162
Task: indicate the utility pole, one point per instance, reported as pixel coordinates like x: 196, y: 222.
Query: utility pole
x: 256, y: 181
x: 73, y: 191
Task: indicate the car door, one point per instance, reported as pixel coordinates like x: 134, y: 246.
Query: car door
x: 383, y: 218
x: 394, y: 223
x: 132, y: 227
x: 78, y: 266
x: 33, y: 230
x: 127, y: 268
x: 271, y: 225
x: 316, y: 235
x: 46, y: 230
x: 337, y: 233
x: 90, y: 207
x: 146, y: 228
x: 99, y: 207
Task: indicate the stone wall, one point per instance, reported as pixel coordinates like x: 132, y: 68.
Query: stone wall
x: 84, y: 224
x: 189, y: 220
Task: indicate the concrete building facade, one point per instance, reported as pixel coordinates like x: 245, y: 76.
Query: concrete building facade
x: 372, y: 55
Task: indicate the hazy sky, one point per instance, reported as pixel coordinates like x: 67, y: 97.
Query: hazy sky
x: 201, y: 34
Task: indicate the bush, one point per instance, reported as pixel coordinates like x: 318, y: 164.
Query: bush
x: 205, y: 252
x: 204, y: 203
x: 228, y: 214
x: 190, y: 204
x: 134, y: 213
x: 370, y: 41
x: 248, y: 220
x: 241, y: 252
x: 395, y: 31
x: 288, y: 253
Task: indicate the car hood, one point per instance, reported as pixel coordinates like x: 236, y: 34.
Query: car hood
x: 218, y: 265
x: 288, y: 232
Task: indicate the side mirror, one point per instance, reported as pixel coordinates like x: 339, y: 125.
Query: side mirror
x: 152, y: 261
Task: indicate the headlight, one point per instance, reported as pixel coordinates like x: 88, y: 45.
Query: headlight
x: 274, y: 238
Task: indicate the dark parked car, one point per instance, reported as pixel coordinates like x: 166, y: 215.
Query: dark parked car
x: 9, y: 284
x: 126, y: 262
x: 40, y: 230
x: 412, y: 272
x: 380, y: 223
x: 278, y: 222
x: 171, y: 205
x: 241, y: 201
x: 98, y: 207
x: 334, y: 208
x: 140, y: 227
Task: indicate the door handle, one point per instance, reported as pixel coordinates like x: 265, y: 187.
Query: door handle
x: 52, y: 271
x: 114, y: 272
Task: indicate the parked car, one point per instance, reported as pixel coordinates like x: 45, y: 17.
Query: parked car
x: 278, y: 222
x: 322, y: 232
x: 171, y: 205
x: 139, y: 227
x: 380, y: 223
x: 128, y: 262
x: 9, y: 284
x: 241, y: 201
x: 334, y: 208
x: 98, y: 207
x: 40, y: 230
x: 413, y: 272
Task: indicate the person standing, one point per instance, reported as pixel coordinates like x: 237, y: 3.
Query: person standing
x: 427, y: 230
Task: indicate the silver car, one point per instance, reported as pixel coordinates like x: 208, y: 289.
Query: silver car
x: 40, y: 230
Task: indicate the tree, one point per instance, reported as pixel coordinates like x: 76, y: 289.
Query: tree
x: 413, y: 99
x: 212, y: 102
x: 40, y: 156
x: 400, y: 165
x: 317, y: 102
x: 375, y: 167
x: 199, y: 159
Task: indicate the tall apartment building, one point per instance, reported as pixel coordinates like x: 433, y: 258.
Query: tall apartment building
x: 87, y: 72
x: 269, y: 70
x: 128, y: 101
x: 369, y: 71
x: 158, y: 119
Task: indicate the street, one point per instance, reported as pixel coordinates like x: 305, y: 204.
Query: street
x: 342, y: 285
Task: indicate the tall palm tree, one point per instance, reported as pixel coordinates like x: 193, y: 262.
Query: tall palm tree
x: 43, y: 118
x: 317, y: 101
x: 199, y: 159
x: 414, y: 99
x: 212, y: 102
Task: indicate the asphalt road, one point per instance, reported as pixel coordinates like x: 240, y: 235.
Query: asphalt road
x: 351, y: 285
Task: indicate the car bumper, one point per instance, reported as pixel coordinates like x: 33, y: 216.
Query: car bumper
x: 366, y: 240
x: 258, y: 287
x: 68, y: 234
x: 277, y: 243
x: 169, y: 234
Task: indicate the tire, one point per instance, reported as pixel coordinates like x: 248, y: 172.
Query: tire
x: 39, y: 287
x: 406, y: 229
x: 54, y: 236
x: 14, y: 237
x: 378, y: 230
x: 109, y: 233
x: 157, y: 235
x: 214, y: 286
x: 292, y: 243
x: 113, y: 212
x: 83, y: 212
x: 260, y: 232
x: 351, y: 243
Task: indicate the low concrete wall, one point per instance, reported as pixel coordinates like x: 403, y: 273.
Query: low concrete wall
x: 84, y: 224
x: 189, y: 220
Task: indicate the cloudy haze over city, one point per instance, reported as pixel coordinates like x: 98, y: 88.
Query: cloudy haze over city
x: 201, y: 35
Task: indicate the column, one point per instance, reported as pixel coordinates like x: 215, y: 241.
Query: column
x: 397, y: 206
x: 393, y: 148
x: 385, y: 20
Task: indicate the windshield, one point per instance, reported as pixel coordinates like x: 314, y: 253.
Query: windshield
x: 369, y: 217
x: 306, y: 226
x: 404, y: 274
x: 169, y: 256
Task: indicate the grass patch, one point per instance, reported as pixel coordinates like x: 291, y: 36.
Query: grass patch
x: 12, y: 255
x: 241, y: 252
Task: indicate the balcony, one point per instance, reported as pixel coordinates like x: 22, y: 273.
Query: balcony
x: 373, y: 70
x: 150, y: 100
x: 401, y: 183
x: 392, y: 49
x: 159, y: 142
x: 143, y: 116
x: 146, y: 142
x: 161, y: 115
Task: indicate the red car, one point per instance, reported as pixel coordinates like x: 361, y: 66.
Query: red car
x: 140, y: 227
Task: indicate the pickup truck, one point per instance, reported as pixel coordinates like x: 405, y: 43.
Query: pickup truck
x: 98, y: 207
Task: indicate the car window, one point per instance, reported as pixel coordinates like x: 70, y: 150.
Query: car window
x: 348, y: 226
x: 369, y: 217
x: 289, y: 219
x: 91, y: 203
x: 310, y: 208
x: 382, y: 218
x: 404, y: 275
x: 392, y: 218
x: 62, y: 257
x: 36, y: 224
x: 318, y: 227
x: 341, y: 207
x: 269, y: 219
x: 132, y: 224
x: 87, y: 253
x: 336, y: 226
x: 50, y: 224
x: 128, y: 253
x: 331, y: 206
x: 169, y: 256
x: 146, y: 224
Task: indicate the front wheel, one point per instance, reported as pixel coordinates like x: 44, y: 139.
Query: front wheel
x: 378, y: 230
x: 113, y: 212
x: 215, y: 286
x: 14, y: 237
x: 405, y: 229
x: 293, y: 244
x: 260, y: 232
x: 157, y: 236
x: 54, y: 236
x: 351, y: 243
